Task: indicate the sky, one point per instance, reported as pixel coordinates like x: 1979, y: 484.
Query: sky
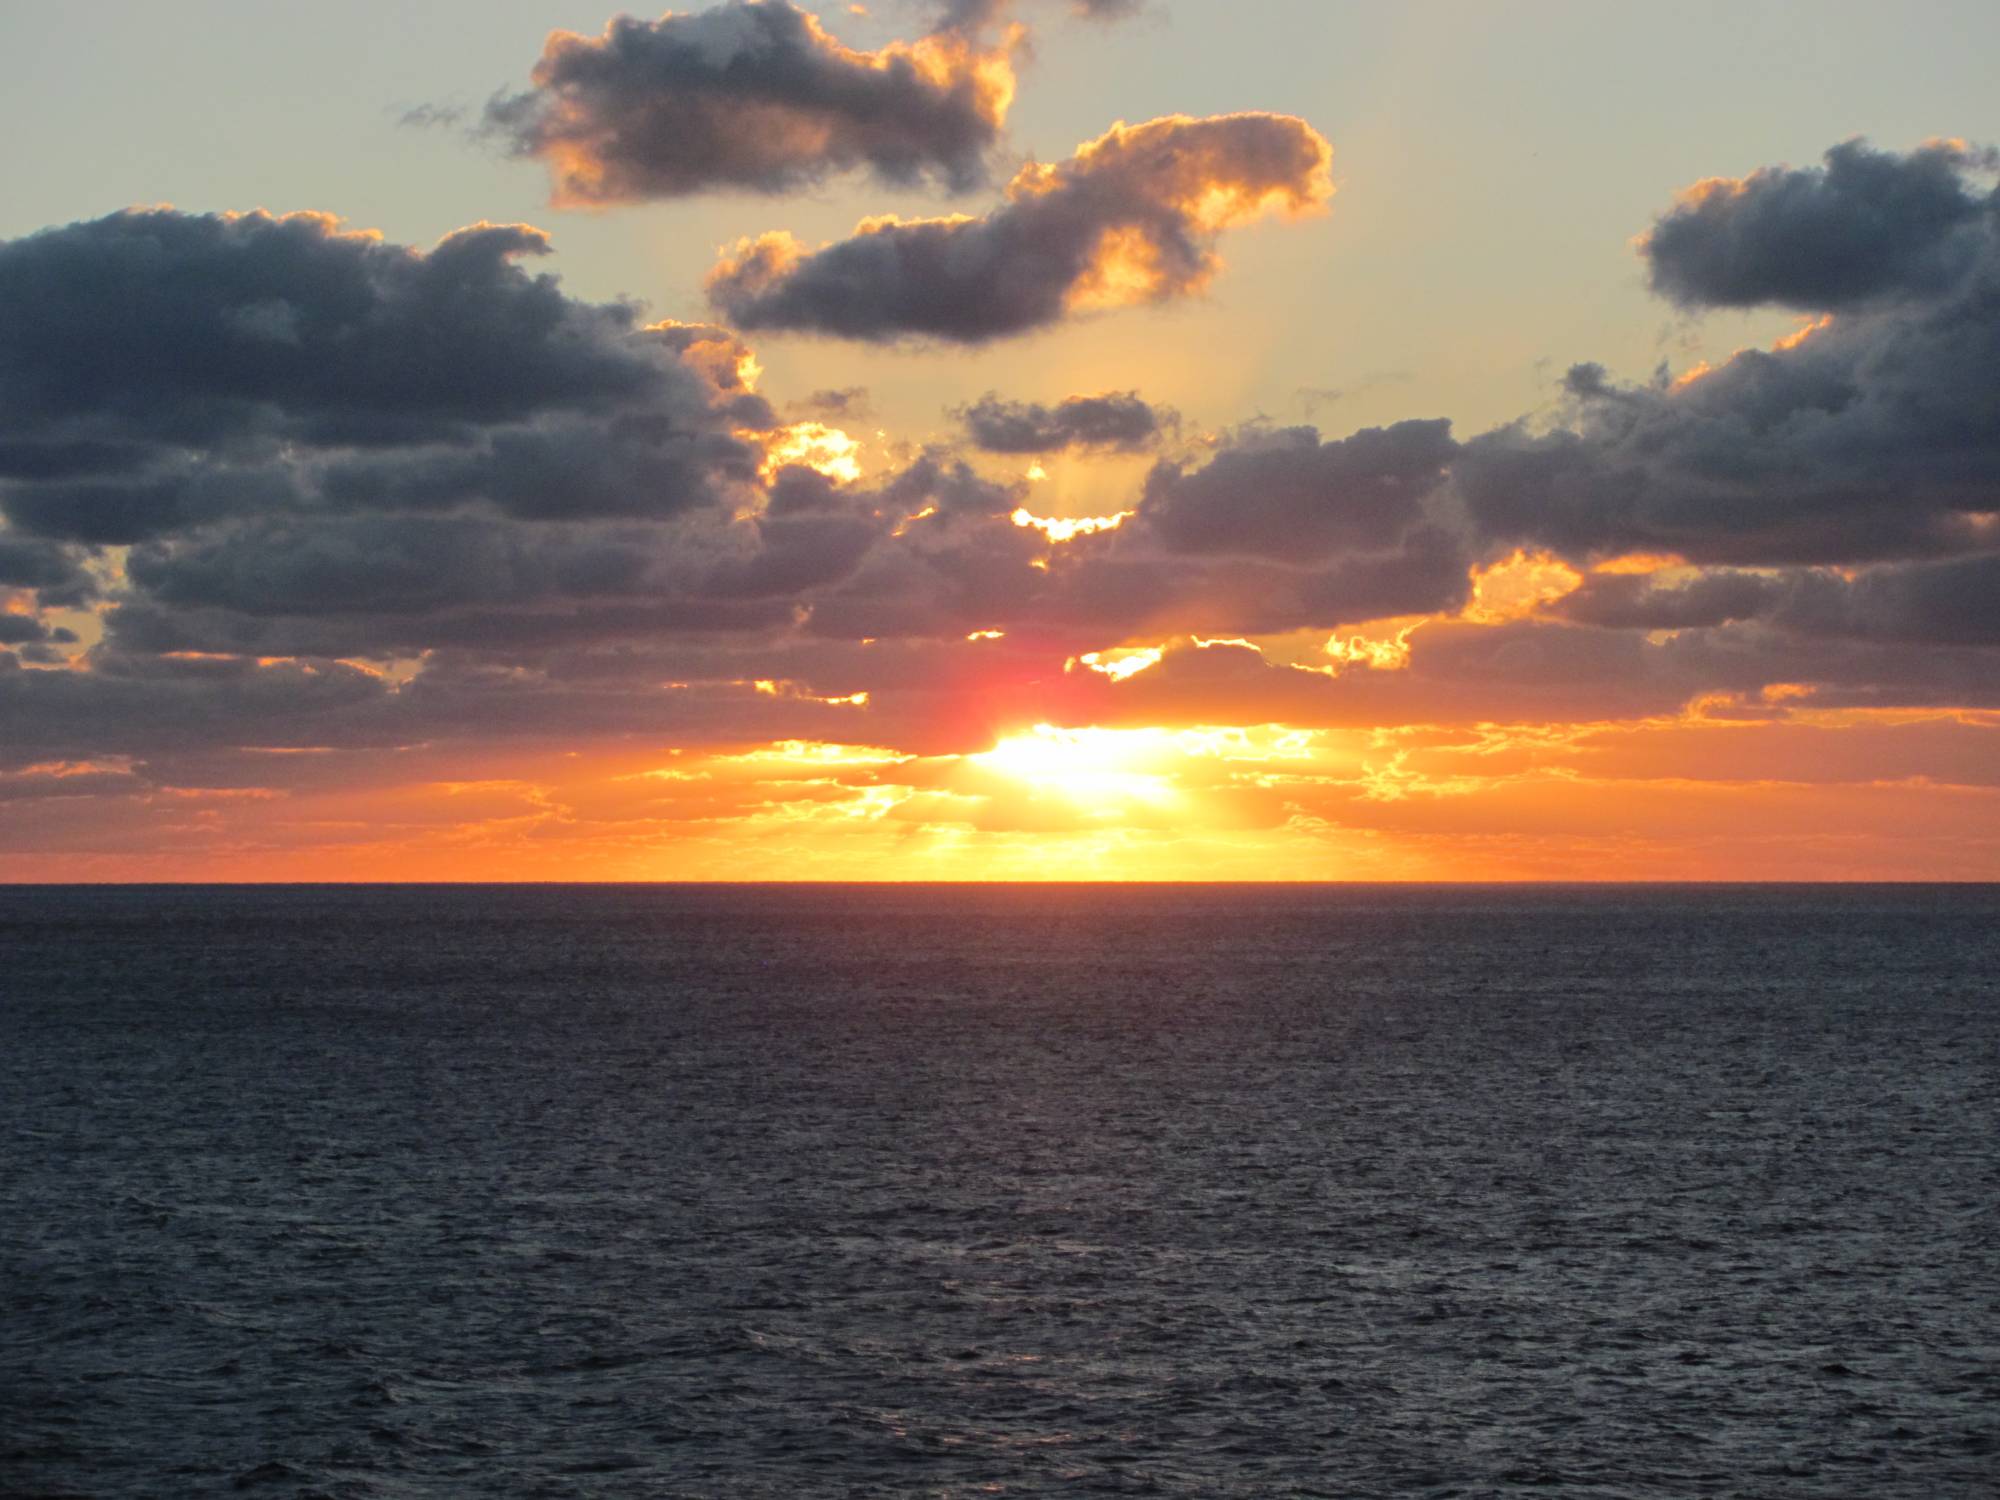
x: 1000, y: 439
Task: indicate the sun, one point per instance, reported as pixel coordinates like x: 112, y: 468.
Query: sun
x: 1091, y: 767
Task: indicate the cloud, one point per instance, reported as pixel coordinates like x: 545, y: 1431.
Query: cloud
x: 973, y: 15
x: 1948, y: 603
x: 432, y: 117
x: 328, y: 493
x: 204, y: 328
x: 55, y: 572
x: 161, y: 371
x: 753, y: 95
x: 808, y: 536
x: 1132, y: 218
x: 1868, y: 224
x: 843, y: 403
x: 1954, y: 603
x: 1117, y: 421
x: 647, y: 465
x: 394, y: 565
x: 1639, y: 601
x: 21, y: 630
x: 1872, y: 434
x: 1289, y: 497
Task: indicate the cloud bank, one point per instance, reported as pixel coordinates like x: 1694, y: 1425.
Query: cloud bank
x: 291, y: 510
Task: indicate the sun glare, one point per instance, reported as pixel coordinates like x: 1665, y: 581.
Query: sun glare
x: 1068, y: 528
x: 1118, y: 664
x: 1089, y: 766
x: 814, y: 445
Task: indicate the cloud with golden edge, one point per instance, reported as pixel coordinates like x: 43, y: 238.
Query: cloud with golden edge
x: 1133, y: 217
x: 756, y: 95
x: 1068, y: 528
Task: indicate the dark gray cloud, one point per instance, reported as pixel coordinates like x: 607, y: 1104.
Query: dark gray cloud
x: 55, y: 572
x: 20, y: 630
x: 1637, y: 601
x: 850, y: 403
x: 202, y: 328
x: 810, y: 535
x: 1952, y: 603
x: 1419, y: 570
x: 637, y: 465
x: 373, y: 565
x: 1133, y: 217
x: 1872, y: 436
x: 116, y: 512
x: 1955, y: 602
x: 31, y: 459
x: 752, y: 94
x: 153, y: 703
x: 1867, y: 224
x: 1289, y: 497
x: 161, y: 371
x: 1117, y: 421
x: 514, y: 635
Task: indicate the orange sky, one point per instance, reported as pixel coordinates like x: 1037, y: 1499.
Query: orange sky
x: 1739, y: 787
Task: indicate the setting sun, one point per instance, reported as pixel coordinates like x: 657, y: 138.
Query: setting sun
x: 1096, y: 768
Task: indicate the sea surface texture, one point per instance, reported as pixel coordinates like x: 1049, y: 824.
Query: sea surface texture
x: 969, y: 1192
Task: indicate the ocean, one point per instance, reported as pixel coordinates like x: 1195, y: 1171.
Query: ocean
x: 1015, y: 1191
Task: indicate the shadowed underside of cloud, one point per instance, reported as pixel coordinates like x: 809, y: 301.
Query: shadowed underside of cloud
x: 1640, y: 601
x: 1288, y: 496
x: 1953, y: 603
x: 1133, y: 217
x: 1115, y: 422
x: 753, y: 94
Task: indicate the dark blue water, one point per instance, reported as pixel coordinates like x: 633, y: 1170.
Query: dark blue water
x: 933, y: 1192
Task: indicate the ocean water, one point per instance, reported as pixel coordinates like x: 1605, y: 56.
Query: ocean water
x: 1185, y: 1191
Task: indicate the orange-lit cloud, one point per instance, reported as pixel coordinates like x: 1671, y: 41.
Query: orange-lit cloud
x: 1068, y: 528
x: 1120, y: 663
x: 1133, y: 217
x: 753, y: 94
x: 813, y: 445
x: 1519, y: 586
